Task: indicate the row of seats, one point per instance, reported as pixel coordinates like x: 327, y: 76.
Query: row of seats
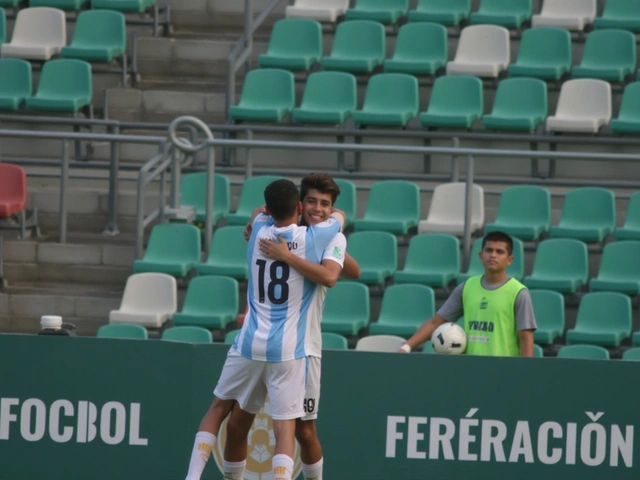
x: 125, y: 6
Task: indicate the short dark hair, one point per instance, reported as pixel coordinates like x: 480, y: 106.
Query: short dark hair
x: 321, y: 182
x: 281, y: 198
x: 499, y: 236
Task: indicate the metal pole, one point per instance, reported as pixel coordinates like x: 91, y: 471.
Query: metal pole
x: 112, y: 220
x: 140, y: 214
x: 468, y: 195
x: 248, y: 161
x: 210, y: 205
x: 64, y: 175
x: 455, y: 167
x: 248, y: 27
x: 175, y: 179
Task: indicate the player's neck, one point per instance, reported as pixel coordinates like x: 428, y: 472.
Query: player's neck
x: 286, y: 222
x: 495, y: 277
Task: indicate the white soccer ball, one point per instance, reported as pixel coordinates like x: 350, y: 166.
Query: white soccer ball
x: 449, y: 339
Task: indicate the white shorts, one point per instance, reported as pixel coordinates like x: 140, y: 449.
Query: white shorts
x: 248, y: 382
x: 312, y: 393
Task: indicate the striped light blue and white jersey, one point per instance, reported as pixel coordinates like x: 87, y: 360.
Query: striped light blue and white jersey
x: 282, y: 303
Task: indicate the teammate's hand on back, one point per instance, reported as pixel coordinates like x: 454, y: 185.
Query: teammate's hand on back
x: 248, y: 228
x: 274, y: 250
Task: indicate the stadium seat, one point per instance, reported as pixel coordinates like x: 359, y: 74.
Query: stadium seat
x: 99, y: 36
x: 188, y: 334
x: 174, y: 249
x: 251, y: 196
x: 334, y: 341
x: 124, y: 6
x: 569, y: 14
x: 560, y: 264
x: 391, y: 99
x: 227, y: 255
x: 584, y: 352
x: 432, y: 260
x: 149, y: 300
x: 609, y: 55
x: 3, y: 25
x: 387, y: 12
x: 268, y: 95
x: 631, y: 228
x: 506, y: 13
x: 538, y: 352
x: 211, y: 302
x: 320, y: 10
x: 619, y: 269
x: 65, y: 85
x: 346, y: 309
x: 10, y: 3
x: 455, y: 102
x: 393, y: 206
x: 520, y: 104
x: 445, y: 12
x: 328, y: 98
x: 524, y: 212
x: 193, y: 193
x: 39, y: 33
x: 230, y: 336
x: 628, y: 120
x: 604, y: 318
x: 358, y: 46
x: 404, y: 309
x: 515, y: 270
x: 548, y: 308
x: 16, y: 84
x: 421, y: 49
x: 377, y: 255
x: 624, y: 14
x: 588, y: 214
x: 295, y: 44
x: 573, y: 114
x: 631, y: 354
x: 380, y: 343
x: 544, y: 53
x: 124, y: 331
x: 446, y: 212
x: 13, y: 189
x: 483, y: 51
x: 66, y: 5
x: 346, y: 200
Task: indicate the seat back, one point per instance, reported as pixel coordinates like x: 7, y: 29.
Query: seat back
x: 569, y: 8
x: 16, y: 77
x: 630, y: 104
x: 296, y: 36
x: 347, y: 300
x: 449, y: 199
x: 3, y: 26
x: 334, y: 341
x: 150, y: 292
x: 457, y: 94
x: 422, y: 41
x: 585, y: 352
x: 179, y: 241
x: 502, y: 7
x: 101, y: 28
x: 407, y: 303
x: 230, y: 337
x: 444, y: 5
x: 123, y: 330
x: 38, y: 26
x: 438, y: 251
x: 545, y: 46
x: 252, y: 194
x: 525, y: 203
x: 13, y: 185
x: 548, y: 308
x: 193, y: 191
x: 571, y: 102
x: 589, y: 206
x: 631, y: 354
x: 343, y: 4
x: 392, y: 91
x: 210, y: 294
x: 620, y: 261
x: 609, y: 48
x: 228, y: 246
x: 621, y: 9
x: 66, y: 77
x: 393, y: 199
x: 561, y: 255
x: 380, y: 343
x: 521, y: 96
x: 377, y: 250
x: 347, y: 199
x: 484, y: 43
x: 189, y: 334
x: 359, y: 38
x: 330, y: 90
x: 268, y: 88
x: 537, y: 351
x: 632, y: 218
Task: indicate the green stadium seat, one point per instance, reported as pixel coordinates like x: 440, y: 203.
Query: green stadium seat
x: 624, y: 14
x: 421, y: 49
x: 346, y: 309
x: 524, y: 212
x: 211, y: 302
x: 66, y: 5
x: 444, y: 12
x: 16, y: 83
x: 619, y: 269
x: 3, y: 25
x: 124, y: 6
x: 328, y: 98
x: 188, y: 334
x: 334, y: 341
x: 123, y: 330
x: 609, y: 55
x: 432, y: 259
x: 268, y: 95
x: 544, y: 53
x: 174, y: 249
x: 346, y: 200
x: 99, y: 36
x: 427, y: 347
x: 10, y: 3
x: 295, y: 44
x: 628, y: 120
x: 230, y: 337
x: 251, y: 196
x: 588, y: 214
x: 604, y: 318
x: 631, y: 354
x: 520, y: 104
x: 456, y: 102
x: 537, y: 351
x: 391, y: 99
x: 548, y: 308
x: 377, y: 255
x: 393, y: 206
x: 384, y: 11
x: 560, y: 264
x: 227, y: 255
x: 358, y: 46
x: 515, y: 270
x: 193, y: 192
x: 506, y: 13
x: 585, y: 352
x: 631, y: 228
x: 404, y: 309
x: 65, y: 86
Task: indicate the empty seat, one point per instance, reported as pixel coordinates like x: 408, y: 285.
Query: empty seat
x: 99, y: 36
x: 619, y: 269
x: 544, y: 53
x: 174, y: 249
x: 358, y: 46
x: 515, y: 270
x: 149, y: 300
x: 230, y: 336
x: 132, y: 332
x: 3, y: 25
x: 628, y: 120
x: 295, y: 44
x: 604, y: 318
x: 421, y: 49
x: 623, y: 14
x: 67, y: 5
x: 432, y: 260
x: 391, y: 99
x: 483, y: 51
x: 380, y: 343
x: 455, y: 102
x: 268, y: 95
x: 251, y: 196
x: 444, y: 12
x: 38, y: 34
x: 446, y: 212
x: 329, y: 98
x: 573, y: 114
x: 346, y: 309
x: 334, y: 341
x: 65, y: 85
x: 227, y: 255
x: 520, y: 104
x: 393, y: 206
x: 608, y: 55
x: 569, y: 14
x: 125, y: 6
x: 188, y: 334
x: 631, y: 228
x: 585, y: 352
x: 560, y: 265
x: 211, y: 302
x: 588, y: 214
x: 537, y: 351
x: 548, y: 308
x: 13, y: 189
x: 193, y: 192
x: 507, y: 13
x: 404, y: 309
x: 10, y: 3
x: 346, y: 200
x: 320, y: 10
x: 524, y: 211
x: 377, y: 255
x: 383, y: 11
x: 631, y: 354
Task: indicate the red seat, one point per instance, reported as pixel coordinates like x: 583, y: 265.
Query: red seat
x: 13, y: 189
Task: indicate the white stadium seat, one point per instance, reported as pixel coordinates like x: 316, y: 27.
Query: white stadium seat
x: 575, y: 114
x: 380, y: 343
x: 483, y: 51
x: 39, y: 34
x: 569, y: 14
x: 446, y: 212
x: 149, y: 300
x: 321, y: 10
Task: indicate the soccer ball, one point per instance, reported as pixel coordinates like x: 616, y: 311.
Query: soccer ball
x: 449, y: 339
